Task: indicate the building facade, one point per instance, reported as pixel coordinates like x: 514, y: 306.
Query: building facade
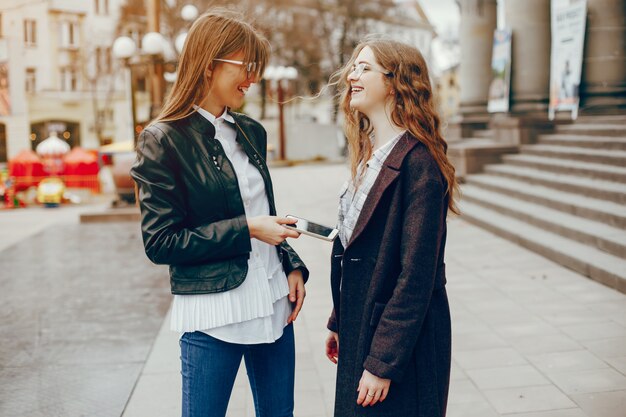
x: 59, y: 74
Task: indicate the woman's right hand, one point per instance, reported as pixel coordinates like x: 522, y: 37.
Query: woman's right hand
x: 332, y: 347
x: 270, y: 229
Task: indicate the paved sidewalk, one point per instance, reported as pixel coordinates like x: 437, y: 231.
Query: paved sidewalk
x: 531, y: 339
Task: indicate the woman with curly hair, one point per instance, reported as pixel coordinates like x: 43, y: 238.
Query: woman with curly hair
x: 390, y: 325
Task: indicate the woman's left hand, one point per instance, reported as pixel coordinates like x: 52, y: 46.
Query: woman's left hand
x: 296, y: 293
x: 372, y: 389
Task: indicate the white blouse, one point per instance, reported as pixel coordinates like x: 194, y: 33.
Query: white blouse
x: 257, y: 310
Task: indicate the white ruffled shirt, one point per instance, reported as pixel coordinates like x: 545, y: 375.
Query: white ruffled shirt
x: 257, y: 310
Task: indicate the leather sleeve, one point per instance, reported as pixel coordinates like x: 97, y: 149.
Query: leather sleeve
x: 167, y: 240
x: 292, y: 261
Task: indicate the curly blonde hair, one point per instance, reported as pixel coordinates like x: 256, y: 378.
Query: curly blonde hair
x: 413, y: 109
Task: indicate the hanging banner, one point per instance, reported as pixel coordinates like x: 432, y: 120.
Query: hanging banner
x: 499, y: 89
x: 566, y: 56
x: 5, y: 97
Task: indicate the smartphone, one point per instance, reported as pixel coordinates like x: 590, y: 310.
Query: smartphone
x: 312, y: 229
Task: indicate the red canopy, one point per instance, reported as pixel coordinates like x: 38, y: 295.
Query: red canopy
x: 27, y: 169
x: 81, y: 169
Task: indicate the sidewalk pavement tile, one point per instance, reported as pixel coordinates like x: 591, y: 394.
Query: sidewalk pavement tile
x: 477, y: 341
x: 572, y: 412
x: 594, y: 331
x: 464, y: 392
x: 603, y: 404
x: 559, y: 314
x: 619, y: 363
x: 473, y: 409
x: 607, y: 348
x: 489, y: 358
x: 579, y: 360
x: 588, y: 381
x: 526, y: 399
x: 533, y: 327
x: 507, y: 377
x: 544, y: 344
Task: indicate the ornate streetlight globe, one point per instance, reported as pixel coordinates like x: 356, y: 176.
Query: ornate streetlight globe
x: 189, y: 12
x: 291, y: 73
x: 269, y: 73
x: 179, y: 43
x: 152, y: 43
x: 124, y: 47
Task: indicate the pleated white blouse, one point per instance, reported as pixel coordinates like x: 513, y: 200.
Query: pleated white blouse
x: 257, y: 310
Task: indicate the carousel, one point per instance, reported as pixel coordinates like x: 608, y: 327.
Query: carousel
x: 51, y: 170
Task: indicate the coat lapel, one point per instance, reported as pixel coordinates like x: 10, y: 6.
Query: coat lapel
x: 386, y: 176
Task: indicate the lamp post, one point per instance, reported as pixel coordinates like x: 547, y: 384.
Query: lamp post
x: 155, y: 46
x: 277, y: 76
x: 124, y: 48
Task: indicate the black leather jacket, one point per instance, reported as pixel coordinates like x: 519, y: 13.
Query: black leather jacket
x: 192, y: 214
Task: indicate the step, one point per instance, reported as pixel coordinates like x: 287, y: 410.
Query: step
x: 617, y: 119
x: 613, y: 157
x: 583, y: 141
x: 595, y: 129
x: 599, y: 235
x: 605, y: 190
x: 595, y: 264
x: 569, y: 166
x: 607, y: 212
x: 487, y: 134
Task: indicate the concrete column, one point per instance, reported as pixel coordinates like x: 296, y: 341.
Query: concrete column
x: 478, y: 21
x: 603, y: 86
x: 530, y: 73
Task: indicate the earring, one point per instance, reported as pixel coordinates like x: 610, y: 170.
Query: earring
x: 392, y: 92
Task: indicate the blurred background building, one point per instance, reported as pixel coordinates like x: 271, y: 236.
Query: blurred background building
x: 554, y: 185
x: 61, y: 75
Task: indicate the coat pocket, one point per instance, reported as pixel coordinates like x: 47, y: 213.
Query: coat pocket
x: 376, y: 313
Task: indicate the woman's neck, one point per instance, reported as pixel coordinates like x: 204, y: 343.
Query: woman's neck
x: 215, y: 109
x: 384, y: 129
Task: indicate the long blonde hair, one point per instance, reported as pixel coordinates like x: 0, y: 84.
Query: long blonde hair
x: 216, y: 34
x: 413, y: 109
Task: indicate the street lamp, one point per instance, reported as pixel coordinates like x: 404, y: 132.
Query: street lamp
x: 124, y: 48
x: 277, y: 76
x: 189, y: 12
x: 155, y: 46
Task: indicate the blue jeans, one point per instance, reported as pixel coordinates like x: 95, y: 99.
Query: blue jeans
x: 209, y: 368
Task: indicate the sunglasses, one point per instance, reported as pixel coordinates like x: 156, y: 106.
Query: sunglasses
x: 250, y: 67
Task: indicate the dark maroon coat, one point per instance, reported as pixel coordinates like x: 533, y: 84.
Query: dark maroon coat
x: 390, y: 304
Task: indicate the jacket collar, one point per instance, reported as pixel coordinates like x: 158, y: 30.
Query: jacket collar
x: 387, y: 175
x: 201, y: 125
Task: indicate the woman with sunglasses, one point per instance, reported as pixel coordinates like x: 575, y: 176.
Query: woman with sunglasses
x: 207, y: 211
x: 390, y: 325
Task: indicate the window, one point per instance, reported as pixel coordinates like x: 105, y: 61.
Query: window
x: 31, y: 80
x: 69, y: 79
x: 102, y: 6
x: 103, y: 60
x: 30, y: 32
x: 69, y: 34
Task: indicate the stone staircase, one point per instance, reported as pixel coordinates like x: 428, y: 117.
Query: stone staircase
x: 563, y: 197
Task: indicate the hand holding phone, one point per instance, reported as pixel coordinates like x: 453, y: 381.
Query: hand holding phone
x: 310, y: 228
